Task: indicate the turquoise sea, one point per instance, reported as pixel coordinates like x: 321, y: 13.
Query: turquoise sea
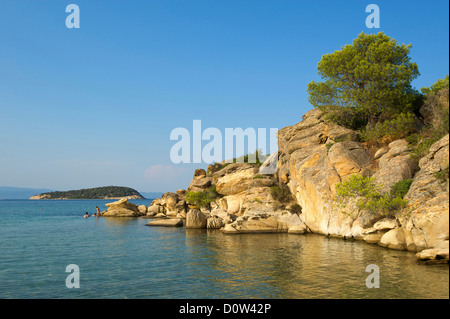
x: 122, y: 258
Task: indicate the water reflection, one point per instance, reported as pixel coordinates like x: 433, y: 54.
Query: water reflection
x: 308, y: 266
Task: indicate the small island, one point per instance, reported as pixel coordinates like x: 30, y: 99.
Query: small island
x: 106, y: 192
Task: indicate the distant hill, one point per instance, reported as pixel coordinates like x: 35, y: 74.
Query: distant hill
x: 106, y: 192
x: 20, y: 192
x: 151, y: 195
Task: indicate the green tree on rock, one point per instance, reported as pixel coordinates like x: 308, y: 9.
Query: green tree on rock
x: 365, y: 82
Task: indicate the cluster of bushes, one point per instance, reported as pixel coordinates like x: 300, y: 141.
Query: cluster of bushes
x: 370, y: 198
x: 202, y: 199
x: 281, y: 194
x: 255, y: 158
x: 400, y: 126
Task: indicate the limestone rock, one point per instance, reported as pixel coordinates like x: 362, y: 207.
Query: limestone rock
x: 349, y: 158
x: 155, y: 209
x: 298, y: 229
x: 214, y: 222
x: 122, y: 208
x: 196, y: 219
x: 395, y: 165
x: 212, y: 168
x: 428, y: 199
x: 255, y: 225
x: 230, y: 169
x: 200, y: 184
x: 142, y: 209
x: 435, y: 255
x: 235, y: 182
x: 386, y: 224
x: 373, y: 238
x: 394, y: 239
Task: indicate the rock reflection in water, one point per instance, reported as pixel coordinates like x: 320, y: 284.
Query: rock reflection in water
x: 306, y: 266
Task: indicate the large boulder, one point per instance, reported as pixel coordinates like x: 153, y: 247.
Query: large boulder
x: 122, y: 208
x: 195, y: 218
x: 394, y: 239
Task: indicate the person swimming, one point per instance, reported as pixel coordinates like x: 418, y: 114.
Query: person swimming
x: 86, y: 215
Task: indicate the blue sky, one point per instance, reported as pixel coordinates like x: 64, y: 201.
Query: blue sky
x: 95, y: 106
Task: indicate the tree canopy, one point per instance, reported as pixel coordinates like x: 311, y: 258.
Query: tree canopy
x: 365, y: 80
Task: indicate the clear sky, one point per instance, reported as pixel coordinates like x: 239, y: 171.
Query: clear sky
x: 95, y: 106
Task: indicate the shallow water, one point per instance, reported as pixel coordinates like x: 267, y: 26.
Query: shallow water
x: 122, y: 258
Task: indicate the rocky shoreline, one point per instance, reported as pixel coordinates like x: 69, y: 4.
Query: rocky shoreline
x: 313, y: 157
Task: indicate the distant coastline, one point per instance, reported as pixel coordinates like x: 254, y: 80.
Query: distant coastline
x: 106, y: 192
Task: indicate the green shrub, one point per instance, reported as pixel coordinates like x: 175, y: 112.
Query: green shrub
x: 295, y: 209
x: 258, y: 176
x: 401, y: 188
x: 369, y: 195
x: 328, y: 145
x: 396, y: 128
x: 422, y: 147
x: 443, y: 175
x: 281, y: 193
x: 349, y: 117
x: 385, y: 205
x: 357, y: 185
x: 202, y: 199
x: 277, y: 206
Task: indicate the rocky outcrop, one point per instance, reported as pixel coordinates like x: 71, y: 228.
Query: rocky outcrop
x: 427, y: 225
x: 315, y: 156
x: 200, y: 182
x: 122, y: 208
x: 169, y: 205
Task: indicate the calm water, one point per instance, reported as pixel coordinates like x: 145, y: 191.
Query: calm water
x: 122, y: 258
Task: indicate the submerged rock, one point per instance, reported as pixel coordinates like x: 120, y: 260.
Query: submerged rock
x: 167, y: 222
x: 255, y: 225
